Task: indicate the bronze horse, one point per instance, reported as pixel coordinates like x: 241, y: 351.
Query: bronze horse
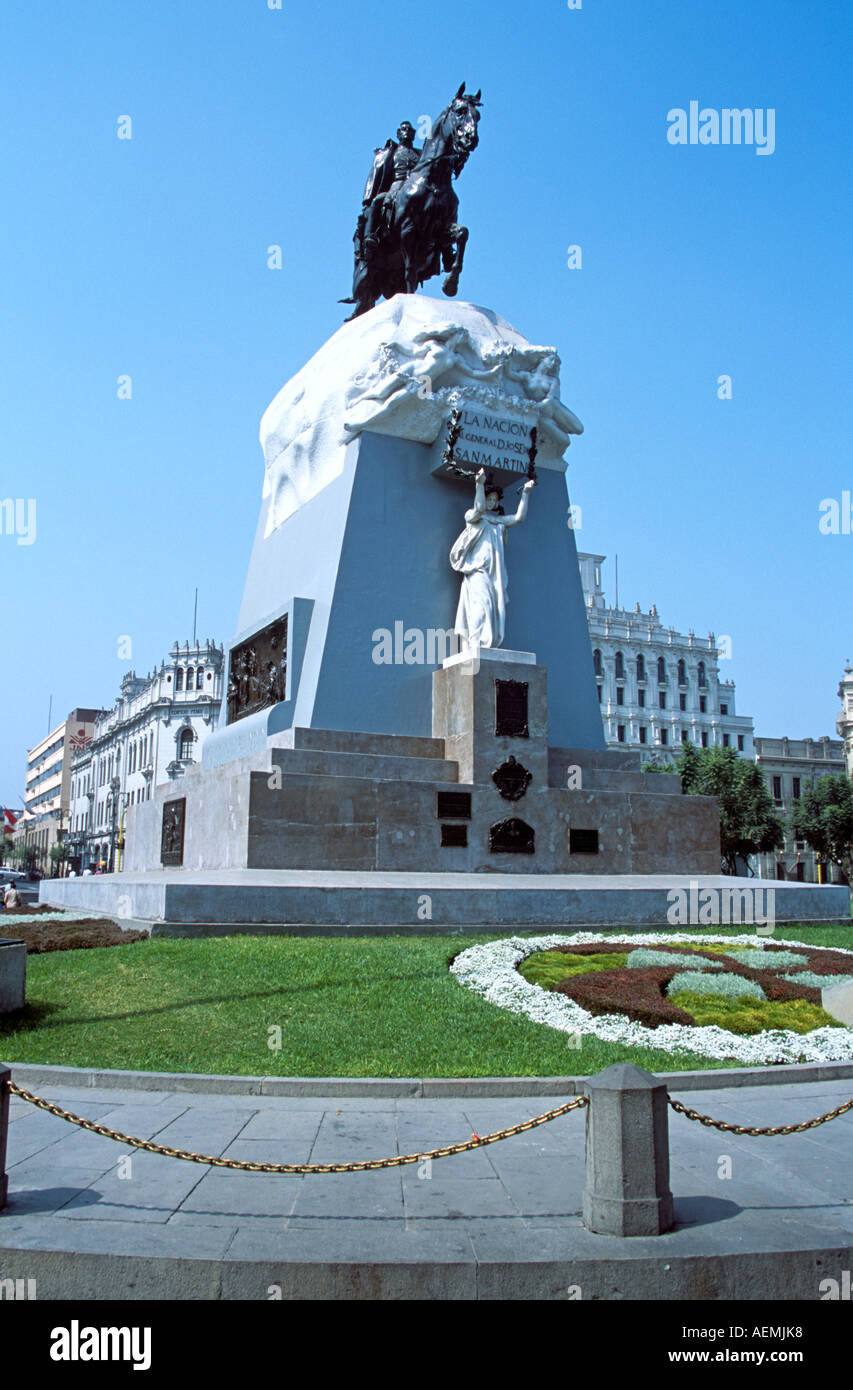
x: 420, y: 233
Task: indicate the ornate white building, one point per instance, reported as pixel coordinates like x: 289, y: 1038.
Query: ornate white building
x: 844, y: 722
x: 153, y: 733
x: 788, y: 765
x: 657, y: 688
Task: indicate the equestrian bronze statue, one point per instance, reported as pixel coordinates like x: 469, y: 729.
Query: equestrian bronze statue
x: 407, y: 230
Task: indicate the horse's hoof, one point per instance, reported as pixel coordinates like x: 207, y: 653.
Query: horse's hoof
x: 450, y: 286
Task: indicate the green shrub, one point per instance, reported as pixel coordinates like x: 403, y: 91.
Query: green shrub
x: 813, y: 981
x: 770, y: 960
x: 643, y: 956
x: 746, y: 1016
x: 723, y: 986
x: 548, y: 968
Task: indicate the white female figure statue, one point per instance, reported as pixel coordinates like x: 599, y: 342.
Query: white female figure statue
x: 478, y: 555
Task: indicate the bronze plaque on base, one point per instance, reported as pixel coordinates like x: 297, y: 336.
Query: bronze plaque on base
x: 511, y: 709
x: 172, y: 834
x: 512, y: 779
x: 511, y: 836
x: 583, y: 841
x: 257, y: 671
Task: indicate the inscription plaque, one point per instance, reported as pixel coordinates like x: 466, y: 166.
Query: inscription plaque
x: 512, y: 836
x: 512, y: 779
x: 257, y: 671
x: 453, y: 805
x: 172, y: 834
x: 511, y: 709
x: 454, y: 837
x: 583, y: 841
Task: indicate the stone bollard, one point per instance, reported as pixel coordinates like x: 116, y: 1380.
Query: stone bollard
x: 627, y: 1154
x: 5, y: 1078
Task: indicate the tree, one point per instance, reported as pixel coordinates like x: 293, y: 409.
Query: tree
x: 748, y: 822
x: 58, y: 853
x: 823, y: 817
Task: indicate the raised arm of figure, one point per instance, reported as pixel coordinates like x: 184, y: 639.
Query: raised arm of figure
x: 522, y: 506
x: 479, y: 506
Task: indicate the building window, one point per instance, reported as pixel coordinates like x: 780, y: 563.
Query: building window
x: 740, y: 743
x: 664, y: 737
x: 661, y: 671
x: 620, y: 666
x: 777, y: 790
x: 703, y: 679
x: 661, y: 699
x: 199, y: 678
x: 682, y: 672
x: 724, y: 709
x: 703, y: 704
x: 179, y: 678
x: 704, y: 739
x: 726, y: 740
x: 620, y: 694
x: 796, y: 788
x: 190, y: 674
x: 185, y: 745
x: 682, y: 701
x: 684, y: 736
x: 596, y: 662
x: 620, y: 733
x: 641, y: 699
x: 641, y: 667
x: 642, y: 733
x: 599, y: 694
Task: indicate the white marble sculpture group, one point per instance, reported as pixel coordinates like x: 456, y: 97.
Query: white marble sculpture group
x: 478, y: 555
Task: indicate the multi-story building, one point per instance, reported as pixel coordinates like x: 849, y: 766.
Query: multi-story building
x: 153, y: 733
x: 844, y: 722
x: 657, y: 688
x: 44, y: 821
x: 788, y: 765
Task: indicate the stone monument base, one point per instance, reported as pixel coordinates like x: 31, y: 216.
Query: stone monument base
x: 323, y: 902
x: 479, y: 825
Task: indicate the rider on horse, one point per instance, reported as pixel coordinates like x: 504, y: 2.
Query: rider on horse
x: 391, y: 167
x: 407, y: 227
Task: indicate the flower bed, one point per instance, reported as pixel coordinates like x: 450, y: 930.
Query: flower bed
x: 628, y: 1004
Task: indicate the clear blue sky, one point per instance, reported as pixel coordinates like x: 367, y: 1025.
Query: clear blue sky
x: 254, y: 126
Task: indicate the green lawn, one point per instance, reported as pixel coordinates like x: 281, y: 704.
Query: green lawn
x: 361, y: 1007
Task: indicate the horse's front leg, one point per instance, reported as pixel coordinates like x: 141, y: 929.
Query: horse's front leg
x: 459, y: 235
x: 408, y: 250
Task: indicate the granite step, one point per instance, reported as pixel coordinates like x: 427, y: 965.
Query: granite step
x: 607, y: 759
x: 343, y: 741
x: 596, y: 779
x: 376, y: 767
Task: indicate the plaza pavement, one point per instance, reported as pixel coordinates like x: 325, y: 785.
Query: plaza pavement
x: 497, y: 1222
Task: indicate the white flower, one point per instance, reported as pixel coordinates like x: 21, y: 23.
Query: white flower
x: 491, y: 971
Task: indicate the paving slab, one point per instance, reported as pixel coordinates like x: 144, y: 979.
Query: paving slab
x: 498, y: 1222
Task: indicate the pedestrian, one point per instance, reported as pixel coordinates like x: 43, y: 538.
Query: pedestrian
x: 11, y: 897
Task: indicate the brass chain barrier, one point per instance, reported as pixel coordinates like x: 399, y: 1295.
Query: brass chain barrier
x: 149, y: 1146
x: 755, y: 1130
